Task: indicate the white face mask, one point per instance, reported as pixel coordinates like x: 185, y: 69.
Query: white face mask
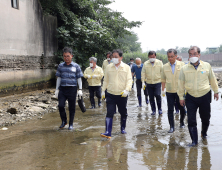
x: 152, y: 60
x: 131, y: 62
x: 115, y: 61
x: 91, y: 64
x: 194, y: 59
x: 108, y: 59
x: 139, y: 66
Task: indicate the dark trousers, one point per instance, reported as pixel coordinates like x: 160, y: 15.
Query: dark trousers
x: 139, y: 87
x: 203, y: 103
x: 154, y: 90
x: 67, y: 93
x: 116, y: 100
x: 92, y: 91
x: 133, y: 82
x: 172, y: 99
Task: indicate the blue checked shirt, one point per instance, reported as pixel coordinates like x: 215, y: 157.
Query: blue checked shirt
x: 173, y: 67
x: 69, y: 73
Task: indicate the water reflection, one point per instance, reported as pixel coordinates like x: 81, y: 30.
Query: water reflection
x: 147, y: 145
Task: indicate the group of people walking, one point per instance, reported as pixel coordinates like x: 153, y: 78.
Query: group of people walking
x: 173, y: 80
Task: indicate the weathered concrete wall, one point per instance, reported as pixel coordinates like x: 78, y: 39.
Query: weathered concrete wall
x: 27, y: 47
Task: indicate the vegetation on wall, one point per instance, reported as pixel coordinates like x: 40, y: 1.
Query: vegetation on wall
x: 89, y: 27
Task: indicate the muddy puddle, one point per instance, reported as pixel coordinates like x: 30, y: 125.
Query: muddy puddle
x: 39, y: 144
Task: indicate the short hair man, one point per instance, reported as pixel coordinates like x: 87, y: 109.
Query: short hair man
x: 170, y: 74
x: 68, y: 73
x: 118, y: 82
x: 151, y: 72
x: 179, y: 58
x: 196, y: 78
x: 107, y: 61
x: 94, y: 75
x: 136, y: 69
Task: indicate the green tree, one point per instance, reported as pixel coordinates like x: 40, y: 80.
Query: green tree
x: 162, y: 51
x: 220, y: 48
x: 129, y: 43
x: 89, y: 27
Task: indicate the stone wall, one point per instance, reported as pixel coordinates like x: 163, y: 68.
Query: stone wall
x: 27, y: 47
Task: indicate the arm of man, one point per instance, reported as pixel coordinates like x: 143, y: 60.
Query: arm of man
x: 85, y: 75
x: 181, y: 87
x: 101, y: 74
x: 105, y: 81
x: 129, y: 80
x: 213, y: 83
x: 163, y: 79
x: 143, y: 74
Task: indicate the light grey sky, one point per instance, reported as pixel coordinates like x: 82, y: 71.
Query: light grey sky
x: 171, y: 23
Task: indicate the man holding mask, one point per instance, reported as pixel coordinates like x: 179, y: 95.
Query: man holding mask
x: 151, y: 72
x: 118, y: 82
x: 68, y: 74
x: 169, y: 78
x: 136, y: 69
x: 197, y: 78
x: 94, y: 75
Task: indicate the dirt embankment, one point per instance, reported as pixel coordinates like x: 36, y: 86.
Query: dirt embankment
x: 31, y: 105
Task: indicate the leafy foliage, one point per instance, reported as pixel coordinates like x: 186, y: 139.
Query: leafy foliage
x: 88, y: 27
x: 129, y: 43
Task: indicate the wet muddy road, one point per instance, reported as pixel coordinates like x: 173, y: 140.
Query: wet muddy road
x: 39, y: 144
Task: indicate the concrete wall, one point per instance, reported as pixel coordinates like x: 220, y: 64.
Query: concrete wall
x: 27, y: 47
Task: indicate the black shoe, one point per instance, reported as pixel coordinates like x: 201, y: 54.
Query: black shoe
x: 153, y: 113
x: 70, y: 127
x: 171, y: 130
x: 99, y: 104
x: 63, y: 124
x: 182, y: 125
x: 92, y: 107
x: 204, y: 136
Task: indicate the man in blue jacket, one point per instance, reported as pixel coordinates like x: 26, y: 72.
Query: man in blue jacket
x: 131, y: 64
x: 136, y: 70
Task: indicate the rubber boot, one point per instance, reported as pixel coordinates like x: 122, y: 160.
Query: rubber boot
x: 140, y: 101
x: 123, y: 124
x: 176, y: 107
x: 171, y: 122
x: 62, y: 113
x: 159, y: 107
x: 153, y: 107
x: 109, y: 125
x: 71, y: 119
x: 204, y: 131
x: 146, y: 99
x: 193, y: 135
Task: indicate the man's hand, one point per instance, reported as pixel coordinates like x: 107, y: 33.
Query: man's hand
x: 89, y: 77
x: 144, y: 86
x: 103, y: 95
x: 163, y: 92
x: 182, y: 103
x: 124, y: 93
x: 80, y: 93
x: 95, y: 76
x: 57, y: 94
x: 216, y: 96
